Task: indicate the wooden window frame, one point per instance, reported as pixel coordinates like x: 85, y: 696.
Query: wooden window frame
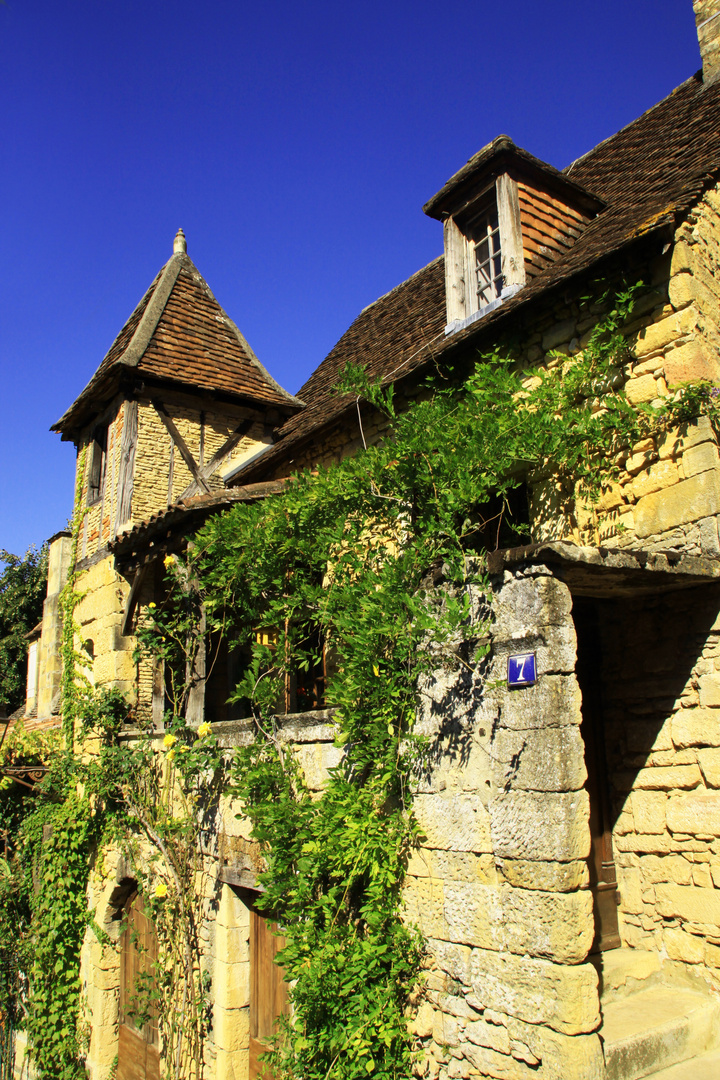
x: 97, y: 466
x: 461, y: 239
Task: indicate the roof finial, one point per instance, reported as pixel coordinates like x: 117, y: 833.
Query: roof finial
x: 180, y: 243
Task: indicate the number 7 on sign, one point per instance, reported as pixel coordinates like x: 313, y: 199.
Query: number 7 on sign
x: 521, y: 670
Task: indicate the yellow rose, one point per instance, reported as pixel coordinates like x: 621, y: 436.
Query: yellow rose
x: 169, y: 740
x: 168, y: 561
x: 203, y: 730
x: 171, y: 755
x: 160, y: 890
x: 152, y: 604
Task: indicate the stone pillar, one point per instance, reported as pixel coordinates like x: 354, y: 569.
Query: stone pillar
x: 707, y: 21
x: 50, y: 661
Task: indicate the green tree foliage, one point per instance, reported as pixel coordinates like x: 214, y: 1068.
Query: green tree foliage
x: 22, y: 590
x: 342, y: 555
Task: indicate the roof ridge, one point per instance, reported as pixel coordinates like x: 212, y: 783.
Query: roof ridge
x: 156, y: 305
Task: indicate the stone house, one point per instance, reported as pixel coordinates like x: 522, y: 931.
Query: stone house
x: 568, y: 883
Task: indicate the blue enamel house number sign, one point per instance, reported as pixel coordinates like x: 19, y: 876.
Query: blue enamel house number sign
x: 522, y: 670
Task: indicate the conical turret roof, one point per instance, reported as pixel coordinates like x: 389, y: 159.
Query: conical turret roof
x: 179, y: 334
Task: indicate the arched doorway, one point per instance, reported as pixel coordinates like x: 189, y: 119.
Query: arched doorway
x: 138, y: 1049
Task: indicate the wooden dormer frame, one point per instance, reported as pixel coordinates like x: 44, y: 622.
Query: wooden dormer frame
x: 460, y: 281
x: 524, y: 190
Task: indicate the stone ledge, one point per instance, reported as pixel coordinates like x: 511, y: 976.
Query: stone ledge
x: 600, y: 571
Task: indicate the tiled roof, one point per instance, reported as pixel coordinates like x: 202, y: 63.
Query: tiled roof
x: 180, y: 334
x: 183, y: 517
x: 390, y: 337
x: 649, y: 174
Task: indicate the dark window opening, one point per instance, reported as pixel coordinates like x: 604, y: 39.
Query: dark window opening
x: 303, y: 686
x: 502, y: 522
x: 98, y: 453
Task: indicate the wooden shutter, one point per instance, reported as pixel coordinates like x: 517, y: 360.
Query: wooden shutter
x: 138, y: 1055
x: 268, y: 991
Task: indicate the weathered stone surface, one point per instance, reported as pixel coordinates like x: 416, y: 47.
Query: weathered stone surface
x: 689, y: 903
x: 424, y: 906
x: 453, y: 822
x: 698, y: 813
x: 688, y: 363
x: 687, y: 501
x: 696, y: 727
x: 558, y: 334
x: 565, y: 1057
x: 681, y: 290
x: 709, y: 761
x: 452, y: 866
x: 537, y: 991
x: 700, y: 458
x: 535, y: 826
x: 661, y: 334
x: 546, y: 876
x: 666, y: 778
x: 494, y: 1036
x: 661, y: 475
x: 452, y: 958
x: 557, y: 926
x: 231, y: 985
x: 546, y: 759
x: 554, y: 646
x: 648, y: 809
x: 641, y: 389
x: 315, y: 760
x: 446, y: 1030
x: 527, y: 603
x: 231, y: 1029
x: 554, y: 701
x: 681, y: 946
x: 710, y: 689
x: 422, y: 1025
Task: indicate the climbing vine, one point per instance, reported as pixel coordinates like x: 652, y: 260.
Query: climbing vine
x: 342, y: 557
x: 339, y: 572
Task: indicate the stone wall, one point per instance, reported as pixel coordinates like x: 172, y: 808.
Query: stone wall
x: 499, y: 885
x: 49, y: 662
x: 667, y: 493
x: 661, y: 677
x: 99, y: 616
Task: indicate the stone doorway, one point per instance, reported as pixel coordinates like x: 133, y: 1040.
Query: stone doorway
x: 138, y: 1050
x: 601, y: 862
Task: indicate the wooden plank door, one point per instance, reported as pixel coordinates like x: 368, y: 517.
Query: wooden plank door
x: 138, y: 1052
x: 268, y: 991
x: 601, y: 863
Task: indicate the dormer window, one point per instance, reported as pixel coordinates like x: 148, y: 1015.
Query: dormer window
x: 484, y: 232
x: 506, y: 217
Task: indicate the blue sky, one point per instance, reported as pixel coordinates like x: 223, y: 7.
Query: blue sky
x: 294, y: 143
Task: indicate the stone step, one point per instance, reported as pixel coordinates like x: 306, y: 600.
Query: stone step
x: 704, y: 1067
x: 626, y: 971
x: 656, y: 1028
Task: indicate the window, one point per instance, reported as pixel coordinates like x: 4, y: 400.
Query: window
x: 484, y: 232
x: 96, y: 477
x: 484, y: 262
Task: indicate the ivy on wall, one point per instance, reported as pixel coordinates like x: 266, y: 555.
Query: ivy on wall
x: 340, y: 560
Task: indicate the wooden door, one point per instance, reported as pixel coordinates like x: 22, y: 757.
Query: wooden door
x: 601, y: 863
x: 268, y: 991
x: 138, y: 1054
